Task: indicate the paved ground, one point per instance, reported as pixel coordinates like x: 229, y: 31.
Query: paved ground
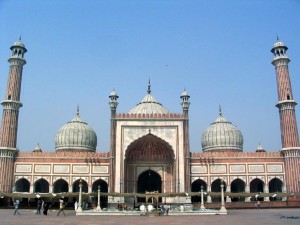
x: 234, y: 217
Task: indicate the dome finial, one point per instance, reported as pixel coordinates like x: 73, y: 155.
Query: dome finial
x: 149, y: 87
x: 220, y: 110
x: 20, y: 38
x: 77, y: 110
x: 277, y: 37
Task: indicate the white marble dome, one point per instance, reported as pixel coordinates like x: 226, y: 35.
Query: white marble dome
x: 149, y: 105
x: 222, y: 136
x: 76, y: 135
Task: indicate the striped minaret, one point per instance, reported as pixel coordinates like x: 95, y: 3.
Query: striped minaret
x: 288, y: 123
x: 9, y: 124
x: 185, y: 103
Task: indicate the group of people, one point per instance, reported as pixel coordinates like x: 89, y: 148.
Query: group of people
x: 41, y: 205
x: 150, y: 208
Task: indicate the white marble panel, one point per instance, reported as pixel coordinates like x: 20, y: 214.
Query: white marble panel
x: 42, y: 168
x: 237, y: 168
x: 80, y: 169
x: 61, y: 169
x: 100, y: 169
x: 218, y: 168
x: 256, y: 169
x: 23, y: 168
x: 274, y: 168
x: 199, y: 169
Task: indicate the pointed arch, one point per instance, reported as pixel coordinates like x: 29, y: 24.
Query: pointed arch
x: 196, y: 187
x: 216, y: 187
x: 257, y: 186
x: 22, y: 185
x: 275, y: 186
x: 149, y: 148
x: 75, y: 186
x: 103, y: 189
x: 41, y: 186
x: 60, y: 185
x: 237, y: 186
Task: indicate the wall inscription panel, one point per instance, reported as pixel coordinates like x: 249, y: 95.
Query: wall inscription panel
x: 199, y: 169
x: 100, y: 169
x: 274, y: 168
x: 237, y: 168
x: 61, y: 169
x: 80, y: 169
x: 23, y: 168
x: 42, y: 168
x: 256, y: 169
x: 218, y: 169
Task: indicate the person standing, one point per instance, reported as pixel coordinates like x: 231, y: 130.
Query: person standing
x: 45, y: 208
x: 76, y: 205
x: 39, y: 206
x: 16, y: 205
x: 258, y: 204
x: 61, y: 207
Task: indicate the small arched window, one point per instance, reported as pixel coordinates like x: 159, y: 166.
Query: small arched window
x: 288, y: 97
x: 9, y: 97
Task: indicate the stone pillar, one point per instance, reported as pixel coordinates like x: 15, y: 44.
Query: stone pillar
x: 208, y: 196
x: 284, y: 191
x: 202, y: 199
x: 98, y: 206
x: 228, y: 188
x: 79, y: 209
x: 50, y: 188
x: 31, y: 189
x: 266, y: 190
x: 223, y: 209
x: 247, y: 190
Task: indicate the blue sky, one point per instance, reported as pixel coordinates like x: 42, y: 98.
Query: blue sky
x: 219, y: 51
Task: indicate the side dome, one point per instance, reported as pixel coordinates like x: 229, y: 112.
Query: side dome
x: 76, y: 135
x: 149, y: 105
x: 222, y: 136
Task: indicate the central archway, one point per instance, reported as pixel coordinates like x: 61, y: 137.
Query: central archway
x: 154, y: 153
x: 149, y: 181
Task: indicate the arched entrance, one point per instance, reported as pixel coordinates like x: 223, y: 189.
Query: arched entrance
x: 84, y: 186
x: 275, y: 186
x: 216, y: 187
x: 256, y: 186
x: 22, y: 185
x: 149, y: 181
x: 103, y: 189
x: 60, y: 186
x: 41, y: 186
x: 143, y: 158
x: 238, y: 186
x: 196, y: 187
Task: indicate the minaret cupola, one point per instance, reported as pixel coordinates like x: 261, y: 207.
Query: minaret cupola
x: 113, y: 103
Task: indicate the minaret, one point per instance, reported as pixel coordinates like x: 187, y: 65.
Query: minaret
x: 113, y: 103
x: 186, y: 139
x: 9, y: 124
x: 288, y: 124
x: 286, y: 103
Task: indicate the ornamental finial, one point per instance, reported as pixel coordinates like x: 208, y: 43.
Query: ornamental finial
x: 149, y: 87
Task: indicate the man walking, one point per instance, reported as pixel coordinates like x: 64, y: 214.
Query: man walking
x: 61, y: 207
x: 16, y: 205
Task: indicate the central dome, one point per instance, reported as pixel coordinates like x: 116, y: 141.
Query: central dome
x: 76, y: 135
x: 149, y: 105
x: 222, y: 136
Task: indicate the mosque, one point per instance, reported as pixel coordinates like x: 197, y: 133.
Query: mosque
x: 150, y: 151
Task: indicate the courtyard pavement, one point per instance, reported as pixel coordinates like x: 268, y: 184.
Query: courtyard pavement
x: 235, y: 217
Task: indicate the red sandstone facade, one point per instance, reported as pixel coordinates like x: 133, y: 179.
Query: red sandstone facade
x: 156, y: 145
